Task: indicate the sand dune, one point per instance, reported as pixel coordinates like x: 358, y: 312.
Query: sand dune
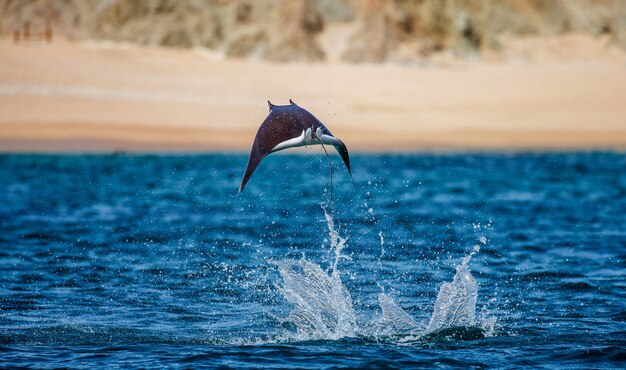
x: 102, y: 97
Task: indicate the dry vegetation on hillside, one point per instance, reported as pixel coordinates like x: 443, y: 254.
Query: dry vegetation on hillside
x: 316, y: 30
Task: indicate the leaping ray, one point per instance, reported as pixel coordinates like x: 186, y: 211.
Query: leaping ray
x: 290, y: 126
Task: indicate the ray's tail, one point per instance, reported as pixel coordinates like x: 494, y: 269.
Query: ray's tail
x: 330, y: 171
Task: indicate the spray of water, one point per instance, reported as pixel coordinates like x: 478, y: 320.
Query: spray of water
x: 393, y: 321
x: 456, y: 302
x: 382, y: 246
x: 322, y: 307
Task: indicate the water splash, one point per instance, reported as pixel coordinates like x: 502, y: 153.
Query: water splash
x: 455, y: 305
x: 322, y: 307
x: 393, y: 321
x: 382, y: 245
x: 337, y: 243
x: 456, y: 301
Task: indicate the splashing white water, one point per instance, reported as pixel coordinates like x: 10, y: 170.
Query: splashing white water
x: 323, y: 308
x: 393, y: 320
x: 337, y: 243
x: 456, y: 301
x: 455, y: 305
x: 382, y: 245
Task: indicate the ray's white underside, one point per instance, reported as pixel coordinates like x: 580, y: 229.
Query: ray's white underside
x: 306, y: 139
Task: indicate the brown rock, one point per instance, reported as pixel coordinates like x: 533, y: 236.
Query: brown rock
x: 287, y: 30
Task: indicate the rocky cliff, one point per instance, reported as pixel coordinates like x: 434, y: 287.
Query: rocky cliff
x: 313, y: 30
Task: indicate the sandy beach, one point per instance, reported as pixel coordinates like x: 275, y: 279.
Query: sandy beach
x: 107, y: 97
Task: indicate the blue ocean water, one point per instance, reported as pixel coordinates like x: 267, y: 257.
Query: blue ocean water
x: 426, y: 260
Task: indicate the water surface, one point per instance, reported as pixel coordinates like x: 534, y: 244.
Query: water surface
x: 470, y: 260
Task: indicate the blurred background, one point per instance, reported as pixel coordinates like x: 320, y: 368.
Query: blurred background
x: 192, y: 75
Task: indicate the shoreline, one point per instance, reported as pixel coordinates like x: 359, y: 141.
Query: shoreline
x: 55, y: 137
x: 437, y: 152
x: 70, y: 97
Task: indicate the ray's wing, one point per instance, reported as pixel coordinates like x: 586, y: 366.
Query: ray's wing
x: 343, y: 152
x: 279, y: 126
x: 307, y: 119
x: 341, y: 149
